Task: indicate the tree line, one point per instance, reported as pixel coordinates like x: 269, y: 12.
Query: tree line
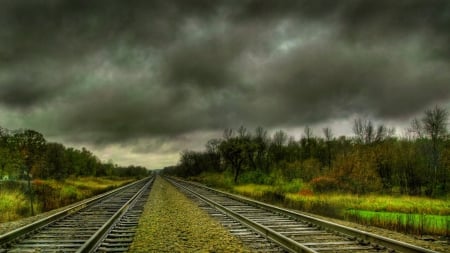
x: 373, y: 160
x: 26, y: 153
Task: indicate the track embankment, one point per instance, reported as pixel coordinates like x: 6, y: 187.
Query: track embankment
x: 173, y: 223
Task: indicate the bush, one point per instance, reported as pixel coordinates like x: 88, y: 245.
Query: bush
x: 252, y: 177
x: 69, y: 194
x: 212, y: 179
x: 292, y: 186
x: 324, y: 184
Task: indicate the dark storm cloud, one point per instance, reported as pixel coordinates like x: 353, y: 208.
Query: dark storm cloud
x: 113, y: 71
x: 115, y: 113
x: 363, y: 15
x: 13, y: 93
x: 330, y: 80
x: 204, y: 64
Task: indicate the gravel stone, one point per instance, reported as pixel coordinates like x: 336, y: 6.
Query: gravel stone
x: 173, y: 223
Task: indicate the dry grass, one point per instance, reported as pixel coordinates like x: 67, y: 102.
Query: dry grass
x: 52, y: 194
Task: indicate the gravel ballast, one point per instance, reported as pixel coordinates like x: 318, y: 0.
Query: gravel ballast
x: 172, y: 223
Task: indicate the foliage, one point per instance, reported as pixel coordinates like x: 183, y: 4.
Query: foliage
x: 214, y: 179
x: 26, y: 152
x: 324, y: 184
x: 292, y: 186
x: 371, y: 161
x: 332, y: 175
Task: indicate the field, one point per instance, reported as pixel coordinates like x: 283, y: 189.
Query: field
x: 413, y: 215
x: 50, y: 194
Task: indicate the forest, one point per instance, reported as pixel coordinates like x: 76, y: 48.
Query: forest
x: 25, y: 153
x: 373, y: 160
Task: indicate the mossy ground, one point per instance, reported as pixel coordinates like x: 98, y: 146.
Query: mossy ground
x: 172, y: 223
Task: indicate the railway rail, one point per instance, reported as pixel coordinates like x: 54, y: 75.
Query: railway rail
x: 100, y: 224
x: 290, y: 230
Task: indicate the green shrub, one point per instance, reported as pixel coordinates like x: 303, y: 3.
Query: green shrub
x: 69, y: 194
x: 253, y: 177
x: 292, y: 186
x: 219, y: 180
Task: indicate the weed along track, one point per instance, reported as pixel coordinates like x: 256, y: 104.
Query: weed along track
x: 269, y: 228
x: 103, y: 223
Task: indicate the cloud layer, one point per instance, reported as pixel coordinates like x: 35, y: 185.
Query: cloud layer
x: 111, y: 72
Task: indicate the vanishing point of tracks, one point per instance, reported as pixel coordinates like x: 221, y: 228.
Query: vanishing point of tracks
x: 103, y: 223
x: 267, y: 228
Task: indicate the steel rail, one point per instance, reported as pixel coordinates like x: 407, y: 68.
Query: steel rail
x: 352, y: 232
x: 96, y: 239
x: 9, y: 237
x: 287, y: 243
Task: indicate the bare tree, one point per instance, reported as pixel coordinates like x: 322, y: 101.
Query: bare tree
x: 435, y: 123
x: 280, y: 138
x: 228, y: 133
x: 308, y: 133
x: 358, y: 129
x: 328, y: 139
x: 366, y: 132
x: 243, y: 133
x: 261, y: 141
x: 416, y: 128
x: 435, y: 128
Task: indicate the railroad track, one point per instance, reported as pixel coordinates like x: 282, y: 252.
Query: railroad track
x: 283, y: 229
x: 101, y: 224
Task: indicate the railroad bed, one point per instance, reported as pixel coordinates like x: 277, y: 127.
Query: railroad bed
x: 267, y: 228
x: 103, y: 223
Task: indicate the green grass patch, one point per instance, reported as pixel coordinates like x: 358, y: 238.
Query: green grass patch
x: 293, y: 186
x: 414, y: 215
x: 253, y: 190
x: 377, y: 203
x: 407, y: 222
x: 96, y: 185
x: 222, y: 181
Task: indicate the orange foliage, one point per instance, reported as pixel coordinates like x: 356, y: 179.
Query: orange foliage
x: 306, y: 192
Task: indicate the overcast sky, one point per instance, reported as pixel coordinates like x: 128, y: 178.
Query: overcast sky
x: 140, y: 81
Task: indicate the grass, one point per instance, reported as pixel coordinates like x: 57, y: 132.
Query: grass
x: 253, y: 190
x: 51, y: 194
x: 14, y: 204
x: 414, y: 215
x: 407, y: 222
x: 97, y: 183
x: 378, y: 203
x: 222, y: 181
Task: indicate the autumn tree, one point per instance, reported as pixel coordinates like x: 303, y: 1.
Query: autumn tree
x: 30, y: 145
